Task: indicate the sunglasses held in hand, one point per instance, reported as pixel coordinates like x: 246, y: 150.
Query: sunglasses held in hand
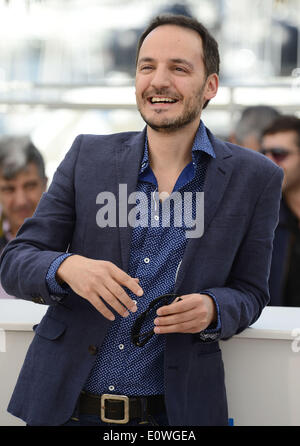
x: 139, y: 334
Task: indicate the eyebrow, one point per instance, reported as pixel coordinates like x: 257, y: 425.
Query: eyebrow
x: 184, y: 62
x: 176, y: 60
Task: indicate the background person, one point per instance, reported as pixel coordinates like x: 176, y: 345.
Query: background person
x: 281, y: 143
x: 249, y: 128
x: 22, y: 182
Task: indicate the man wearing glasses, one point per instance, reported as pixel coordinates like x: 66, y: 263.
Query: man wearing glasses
x: 281, y: 143
x: 135, y: 313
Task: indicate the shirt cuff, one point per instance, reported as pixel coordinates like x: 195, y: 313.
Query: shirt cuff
x: 57, y: 291
x: 213, y: 331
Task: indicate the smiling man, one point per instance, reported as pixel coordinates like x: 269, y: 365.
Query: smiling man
x: 170, y: 90
x: 135, y: 313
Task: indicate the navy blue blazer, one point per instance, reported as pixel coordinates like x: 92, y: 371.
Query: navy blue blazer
x: 231, y: 260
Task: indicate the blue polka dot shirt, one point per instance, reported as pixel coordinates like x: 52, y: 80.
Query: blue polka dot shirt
x: 155, y: 257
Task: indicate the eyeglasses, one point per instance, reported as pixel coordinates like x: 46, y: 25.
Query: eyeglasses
x: 278, y: 153
x: 140, y: 334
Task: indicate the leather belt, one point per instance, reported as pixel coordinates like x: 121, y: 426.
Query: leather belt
x: 120, y: 409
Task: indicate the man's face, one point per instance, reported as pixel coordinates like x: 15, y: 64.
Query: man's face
x: 20, y: 195
x: 288, y: 158
x: 171, y: 84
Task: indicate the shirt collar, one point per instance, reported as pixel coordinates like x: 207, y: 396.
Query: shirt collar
x: 201, y: 144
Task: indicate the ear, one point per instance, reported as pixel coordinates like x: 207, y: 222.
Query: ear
x: 211, y: 87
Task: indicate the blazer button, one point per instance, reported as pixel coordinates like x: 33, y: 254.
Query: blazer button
x: 38, y: 300
x: 93, y: 349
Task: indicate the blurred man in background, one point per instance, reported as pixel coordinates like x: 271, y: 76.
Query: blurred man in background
x: 22, y: 182
x: 281, y: 143
x: 248, y: 130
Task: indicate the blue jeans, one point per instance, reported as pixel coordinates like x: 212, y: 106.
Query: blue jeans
x: 94, y: 420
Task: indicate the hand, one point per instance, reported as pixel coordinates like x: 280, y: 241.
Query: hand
x: 191, y: 314
x: 99, y: 281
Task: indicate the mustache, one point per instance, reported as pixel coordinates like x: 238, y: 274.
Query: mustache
x: 162, y: 92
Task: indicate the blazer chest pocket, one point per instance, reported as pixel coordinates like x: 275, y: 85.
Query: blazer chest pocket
x: 50, y: 328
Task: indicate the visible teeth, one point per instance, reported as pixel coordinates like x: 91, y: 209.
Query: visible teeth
x: 162, y: 100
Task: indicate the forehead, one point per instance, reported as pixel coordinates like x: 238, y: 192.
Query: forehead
x: 28, y: 173
x: 172, y: 41
x: 285, y: 139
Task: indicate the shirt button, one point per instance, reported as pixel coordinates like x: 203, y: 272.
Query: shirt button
x: 156, y: 217
x: 146, y: 260
x: 121, y: 346
x: 111, y: 388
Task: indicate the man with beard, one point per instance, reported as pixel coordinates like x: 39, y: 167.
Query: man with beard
x: 135, y: 313
x: 281, y: 143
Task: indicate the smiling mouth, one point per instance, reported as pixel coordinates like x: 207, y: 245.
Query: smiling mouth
x: 161, y: 100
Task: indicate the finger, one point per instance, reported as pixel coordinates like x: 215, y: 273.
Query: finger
x: 175, y: 319
x: 113, y: 302
x: 119, y: 293
x: 97, y: 302
x: 178, y: 299
x: 124, y: 279
x: 176, y: 307
x: 185, y: 327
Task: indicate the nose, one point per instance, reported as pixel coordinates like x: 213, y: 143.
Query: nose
x: 20, y: 198
x: 160, y: 78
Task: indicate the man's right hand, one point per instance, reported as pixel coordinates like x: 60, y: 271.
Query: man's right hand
x: 100, y: 282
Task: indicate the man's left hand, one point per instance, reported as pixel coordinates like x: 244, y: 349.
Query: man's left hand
x: 191, y: 314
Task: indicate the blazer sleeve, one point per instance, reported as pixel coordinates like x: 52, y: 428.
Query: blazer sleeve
x: 246, y: 293
x: 44, y: 237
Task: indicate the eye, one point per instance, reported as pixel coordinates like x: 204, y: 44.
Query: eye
x: 7, y: 190
x: 180, y: 69
x: 146, y: 68
x: 30, y: 186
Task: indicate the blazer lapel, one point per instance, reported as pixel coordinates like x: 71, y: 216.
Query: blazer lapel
x: 129, y: 157
x: 217, y: 178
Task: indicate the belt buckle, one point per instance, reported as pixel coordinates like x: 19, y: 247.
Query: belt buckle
x: 122, y: 398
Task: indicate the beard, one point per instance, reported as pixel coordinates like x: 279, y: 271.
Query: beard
x: 191, y: 111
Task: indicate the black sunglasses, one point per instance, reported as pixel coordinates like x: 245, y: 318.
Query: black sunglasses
x: 139, y: 335
x: 278, y: 153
